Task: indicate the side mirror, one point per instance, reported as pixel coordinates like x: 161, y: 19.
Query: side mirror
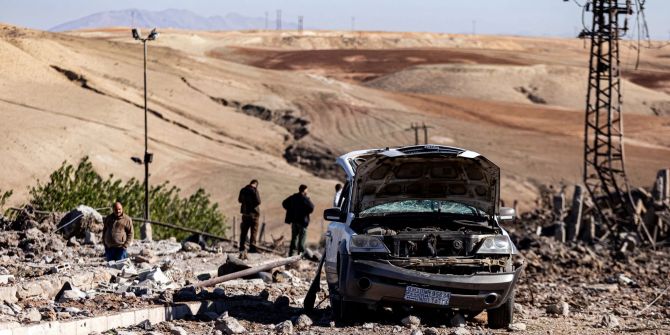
x: 136, y: 34
x: 507, y: 214
x: 333, y: 214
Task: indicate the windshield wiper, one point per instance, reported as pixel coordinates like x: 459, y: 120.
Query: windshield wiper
x: 473, y: 224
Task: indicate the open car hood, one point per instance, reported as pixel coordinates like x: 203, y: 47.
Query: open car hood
x: 422, y: 172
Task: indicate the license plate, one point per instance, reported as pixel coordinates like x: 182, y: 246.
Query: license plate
x: 427, y: 296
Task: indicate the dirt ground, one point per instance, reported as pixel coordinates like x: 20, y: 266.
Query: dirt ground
x: 219, y: 102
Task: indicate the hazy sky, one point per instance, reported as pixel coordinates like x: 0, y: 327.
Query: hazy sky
x: 526, y: 17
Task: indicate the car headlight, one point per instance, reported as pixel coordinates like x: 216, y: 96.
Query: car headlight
x: 366, y: 243
x: 500, y: 244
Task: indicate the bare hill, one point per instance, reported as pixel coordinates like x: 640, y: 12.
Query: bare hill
x: 221, y: 115
x: 553, y: 85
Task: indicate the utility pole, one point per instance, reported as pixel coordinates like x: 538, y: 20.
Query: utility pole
x: 267, y: 20
x: 145, y: 229
x: 425, y: 132
x: 415, y: 128
x: 300, y: 24
x: 278, y: 19
x: 604, y: 172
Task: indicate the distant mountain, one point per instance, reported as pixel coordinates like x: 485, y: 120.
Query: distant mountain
x: 170, y: 18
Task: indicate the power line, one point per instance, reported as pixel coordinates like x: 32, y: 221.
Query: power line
x: 278, y: 19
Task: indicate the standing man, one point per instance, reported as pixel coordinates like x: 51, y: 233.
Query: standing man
x: 298, y: 208
x: 117, y: 233
x: 338, y: 194
x: 249, y: 200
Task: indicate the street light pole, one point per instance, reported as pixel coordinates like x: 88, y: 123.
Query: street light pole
x: 145, y: 228
x: 146, y: 154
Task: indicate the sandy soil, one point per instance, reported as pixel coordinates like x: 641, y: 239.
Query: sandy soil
x: 201, y: 138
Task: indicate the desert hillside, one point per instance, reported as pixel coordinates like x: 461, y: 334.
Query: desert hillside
x: 226, y: 107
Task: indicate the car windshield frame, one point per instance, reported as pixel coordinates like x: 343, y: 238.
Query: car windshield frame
x: 414, y: 206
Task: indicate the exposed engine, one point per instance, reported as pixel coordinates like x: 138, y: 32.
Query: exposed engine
x: 435, y: 250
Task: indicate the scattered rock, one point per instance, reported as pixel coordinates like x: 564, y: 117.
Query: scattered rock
x: 4, y: 309
x: 266, y: 276
x: 458, y: 320
x: 517, y: 327
x: 281, y: 276
x: 176, y: 330
x: 229, y: 325
x: 190, y: 246
x: 369, y: 325
x: 460, y: 331
x: 145, y: 325
x: 285, y: 327
x: 72, y: 295
x: 609, y: 321
x: 518, y: 308
x: 416, y: 332
x: 89, y: 238
x: 431, y: 331
x: 31, y: 315
x: 560, y: 308
x: 303, y: 322
x: 411, y: 321
x: 73, y: 310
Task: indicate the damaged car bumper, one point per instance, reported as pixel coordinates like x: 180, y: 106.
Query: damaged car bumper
x: 371, y: 282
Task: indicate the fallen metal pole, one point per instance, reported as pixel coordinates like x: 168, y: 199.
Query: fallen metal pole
x: 248, y: 272
x: 195, y: 231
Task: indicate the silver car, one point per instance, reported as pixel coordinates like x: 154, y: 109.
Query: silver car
x: 419, y: 227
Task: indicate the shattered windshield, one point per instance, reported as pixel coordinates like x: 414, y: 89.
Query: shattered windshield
x: 422, y: 206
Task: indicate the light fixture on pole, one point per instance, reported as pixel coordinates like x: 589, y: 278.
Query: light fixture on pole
x: 145, y: 228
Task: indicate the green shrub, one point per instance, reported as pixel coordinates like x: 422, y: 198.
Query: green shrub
x: 71, y: 186
x: 4, y: 196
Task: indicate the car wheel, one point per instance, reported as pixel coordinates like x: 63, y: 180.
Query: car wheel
x: 502, y: 316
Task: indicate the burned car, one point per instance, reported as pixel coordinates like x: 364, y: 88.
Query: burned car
x: 418, y: 227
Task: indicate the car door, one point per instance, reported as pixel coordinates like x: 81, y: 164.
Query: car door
x: 339, y: 232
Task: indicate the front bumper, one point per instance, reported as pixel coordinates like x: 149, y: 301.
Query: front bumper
x: 387, y: 284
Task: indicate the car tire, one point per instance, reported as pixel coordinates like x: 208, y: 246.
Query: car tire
x: 503, y: 316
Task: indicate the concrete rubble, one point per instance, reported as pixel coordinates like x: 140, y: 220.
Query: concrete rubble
x: 63, y: 286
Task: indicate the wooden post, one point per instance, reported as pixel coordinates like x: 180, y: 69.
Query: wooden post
x: 558, y: 202
x: 234, y: 228
x: 261, y: 235
x: 247, y: 272
x: 573, y: 221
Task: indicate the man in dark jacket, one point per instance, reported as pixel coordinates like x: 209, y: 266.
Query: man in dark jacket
x: 117, y: 233
x: 298, y: 208
x: 249, y: 200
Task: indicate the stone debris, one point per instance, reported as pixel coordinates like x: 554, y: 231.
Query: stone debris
x: 411, y: 321
x: 609, y: 321
x: 284, y: 328
x: 561, y: 308
x: 191, y: 246
x: 229, y: 325
x: 458, y: 320
x: 460, y: 331
x: 517, y: 327
x: 416, y: 332
x: 303, y: 322
x: 31, y: 315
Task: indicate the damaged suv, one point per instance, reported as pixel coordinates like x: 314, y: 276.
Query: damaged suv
x: 419, y: 227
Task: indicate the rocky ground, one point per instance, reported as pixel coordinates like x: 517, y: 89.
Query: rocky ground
x: 566, y: 288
